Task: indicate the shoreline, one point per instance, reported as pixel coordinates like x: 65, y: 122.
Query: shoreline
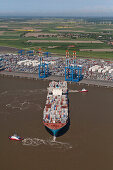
x: 88, y: 82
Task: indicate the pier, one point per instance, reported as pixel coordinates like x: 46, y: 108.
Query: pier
x: 98, y: 83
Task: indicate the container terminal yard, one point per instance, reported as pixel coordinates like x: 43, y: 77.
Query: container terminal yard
x: 94, y: 71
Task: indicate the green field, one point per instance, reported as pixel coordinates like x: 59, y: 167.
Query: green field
x: 89, y: 54
x: 13, y: 33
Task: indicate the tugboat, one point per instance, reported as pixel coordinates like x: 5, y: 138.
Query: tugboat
x: 83, y: 90
x: 15, y: 137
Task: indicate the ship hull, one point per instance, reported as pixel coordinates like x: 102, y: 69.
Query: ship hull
x: 16, y: 139
x: 83, y: 91
x: 54, y: 131
x: 57, y: 128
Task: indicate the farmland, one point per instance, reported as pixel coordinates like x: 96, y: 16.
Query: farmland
x: 90, y: 37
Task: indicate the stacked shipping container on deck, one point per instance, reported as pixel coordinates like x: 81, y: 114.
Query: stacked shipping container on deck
x: 56, y: 108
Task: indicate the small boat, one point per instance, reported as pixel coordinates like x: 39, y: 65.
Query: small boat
x: 83, y: 90
x: 15, y: 137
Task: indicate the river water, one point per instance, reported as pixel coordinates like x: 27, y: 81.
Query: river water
x: 87, y: 144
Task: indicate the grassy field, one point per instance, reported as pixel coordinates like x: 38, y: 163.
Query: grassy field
x: 14, y: 31
x: 90, y: 54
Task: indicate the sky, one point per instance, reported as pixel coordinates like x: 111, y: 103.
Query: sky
x: 56, y: 7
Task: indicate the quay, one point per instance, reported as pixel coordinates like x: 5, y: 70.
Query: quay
x: 34, y: 76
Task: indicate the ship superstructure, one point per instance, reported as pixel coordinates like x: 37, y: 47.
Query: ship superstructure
x: 55, y: 115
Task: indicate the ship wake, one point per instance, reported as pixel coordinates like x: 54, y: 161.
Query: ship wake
x: 53, y: 143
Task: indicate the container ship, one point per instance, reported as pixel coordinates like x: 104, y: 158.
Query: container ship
x: 55, y: 114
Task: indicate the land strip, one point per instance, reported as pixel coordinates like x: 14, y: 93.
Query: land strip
x: 63, y: 41
x: 69, y: 31
x: 109, y: 50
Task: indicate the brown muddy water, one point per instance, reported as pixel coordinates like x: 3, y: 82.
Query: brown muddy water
x: 87, y: 145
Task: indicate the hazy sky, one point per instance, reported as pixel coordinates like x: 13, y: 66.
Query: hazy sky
x: 57, y: 7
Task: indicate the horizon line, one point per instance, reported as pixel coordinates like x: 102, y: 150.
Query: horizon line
x: 57, y: 16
